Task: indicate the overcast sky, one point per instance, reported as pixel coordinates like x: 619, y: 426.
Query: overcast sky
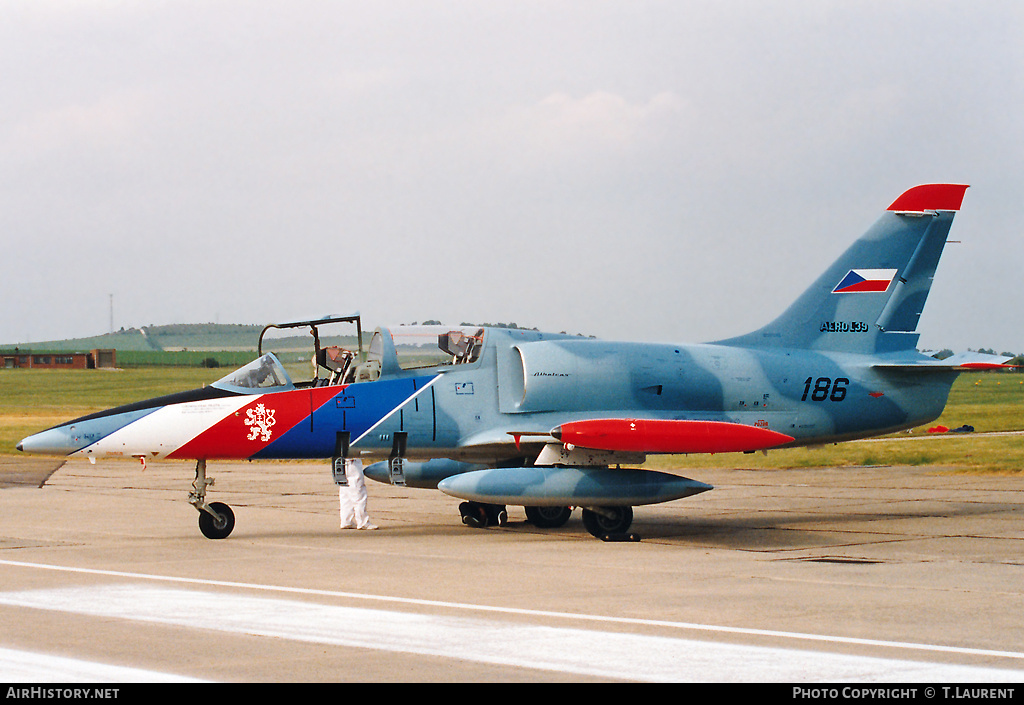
x: 675, y: 171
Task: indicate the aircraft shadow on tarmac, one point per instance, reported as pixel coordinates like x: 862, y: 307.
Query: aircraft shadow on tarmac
x: 27, y: 472
x: 781, y: 530
x: 851, y: 522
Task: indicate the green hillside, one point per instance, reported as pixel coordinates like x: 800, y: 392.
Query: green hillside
x: 186, y: 345
x: 190, y: 345
x: 181, y: 336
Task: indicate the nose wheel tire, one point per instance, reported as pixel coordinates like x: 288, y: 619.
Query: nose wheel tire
x: 220, y: 526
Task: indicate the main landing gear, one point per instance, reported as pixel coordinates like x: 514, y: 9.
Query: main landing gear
x: 609, y: 523
x: 548, y: 517
x: 605, y: 523
x: 480, y: 516
x: 216, y: 520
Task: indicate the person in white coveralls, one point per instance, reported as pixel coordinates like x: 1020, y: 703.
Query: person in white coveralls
x: 353, y: 497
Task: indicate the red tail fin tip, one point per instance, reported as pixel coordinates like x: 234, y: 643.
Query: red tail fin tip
x: 930, y: 197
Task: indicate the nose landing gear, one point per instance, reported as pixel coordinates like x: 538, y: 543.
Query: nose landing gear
x: 216, y: 520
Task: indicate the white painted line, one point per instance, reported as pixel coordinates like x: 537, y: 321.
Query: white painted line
x: 28, y: 667
x: 613, y: 655
x: 571, y: 616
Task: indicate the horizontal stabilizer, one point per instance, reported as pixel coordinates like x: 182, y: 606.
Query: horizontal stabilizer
x: 668, y: 436
x: 978, y: 361
x: 958, y: 362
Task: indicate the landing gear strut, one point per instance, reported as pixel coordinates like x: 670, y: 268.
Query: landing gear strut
x: 216, y: 520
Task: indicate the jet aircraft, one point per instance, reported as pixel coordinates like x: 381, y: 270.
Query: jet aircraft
x: 547, y: 421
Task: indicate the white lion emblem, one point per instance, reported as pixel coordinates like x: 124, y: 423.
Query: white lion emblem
x: 261, y: 419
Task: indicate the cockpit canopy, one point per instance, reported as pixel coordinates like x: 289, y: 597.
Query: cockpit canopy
x: 414, y: 347
x: 391, y: 351
x: 264, y: 374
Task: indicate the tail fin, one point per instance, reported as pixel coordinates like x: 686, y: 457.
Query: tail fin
x: 870, y: 299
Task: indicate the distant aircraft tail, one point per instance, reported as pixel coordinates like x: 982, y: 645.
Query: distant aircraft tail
x: 870, y: 299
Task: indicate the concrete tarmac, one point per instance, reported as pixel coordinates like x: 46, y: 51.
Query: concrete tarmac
x: 881, y: 574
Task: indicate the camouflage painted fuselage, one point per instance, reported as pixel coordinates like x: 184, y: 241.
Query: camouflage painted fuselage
x: 840, y: 363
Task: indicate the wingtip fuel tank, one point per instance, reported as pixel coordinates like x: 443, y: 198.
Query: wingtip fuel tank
x: 668, y: 436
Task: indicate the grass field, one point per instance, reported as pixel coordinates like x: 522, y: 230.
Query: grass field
x: 33, y: 400
x: 990, y: 402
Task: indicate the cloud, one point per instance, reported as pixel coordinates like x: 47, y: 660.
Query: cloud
x: 104, y: 123
x: 561, y: 126
x: 599, y: 166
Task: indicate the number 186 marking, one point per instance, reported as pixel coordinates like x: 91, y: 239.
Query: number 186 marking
x: 824, y: 388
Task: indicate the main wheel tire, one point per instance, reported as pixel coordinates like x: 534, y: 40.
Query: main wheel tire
x: 617, y: 521
x: 548, y: 517
x: 480, y: 516
x: 213, y: 528
x: 474, y: 514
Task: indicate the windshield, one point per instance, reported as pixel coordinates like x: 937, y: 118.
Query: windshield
x: 262, y: 374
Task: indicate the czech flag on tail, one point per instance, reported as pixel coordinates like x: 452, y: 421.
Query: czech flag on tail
x: 865, y: 281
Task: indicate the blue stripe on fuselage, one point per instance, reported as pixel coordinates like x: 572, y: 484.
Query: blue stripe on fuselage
x: 356, y: 408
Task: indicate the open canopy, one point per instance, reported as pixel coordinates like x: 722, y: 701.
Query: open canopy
x: 313, y: 325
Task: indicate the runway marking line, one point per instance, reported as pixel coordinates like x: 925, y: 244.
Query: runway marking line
x: 567, y: 649
x: 574, y: 616
x: 29, y: 667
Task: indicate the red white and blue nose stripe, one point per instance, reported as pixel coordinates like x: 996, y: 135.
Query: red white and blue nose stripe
x: 207, y: 423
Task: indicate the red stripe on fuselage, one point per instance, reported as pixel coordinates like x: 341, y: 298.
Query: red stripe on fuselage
x: 256, y: 425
